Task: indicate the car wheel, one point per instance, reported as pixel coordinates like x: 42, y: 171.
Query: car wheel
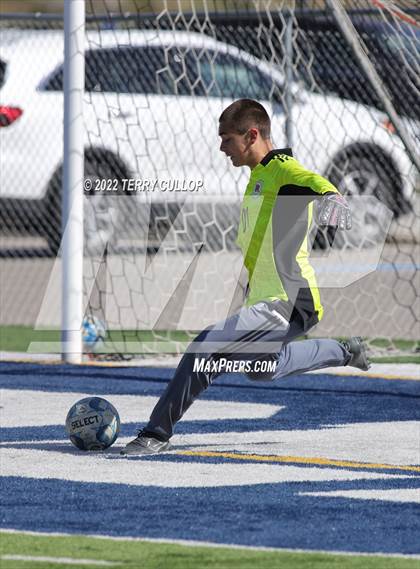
x: 363, y: 174
x: 101, y: 216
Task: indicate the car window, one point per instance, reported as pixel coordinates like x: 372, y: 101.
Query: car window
x: 123, y: 70
x: 223, y: 75
x: 328, y: 52
x: 168, y: 71
x: 127, y: 69
x: 54, y: 82
x: 175, y: 76
x: 389, y: 44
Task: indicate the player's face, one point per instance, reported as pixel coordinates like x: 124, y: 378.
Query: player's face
x: 235, y: 146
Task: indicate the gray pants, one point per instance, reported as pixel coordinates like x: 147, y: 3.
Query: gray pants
x: 255, y: 333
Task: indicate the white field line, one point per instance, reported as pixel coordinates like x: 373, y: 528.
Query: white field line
x: 137, y: 472
x: 391, y: 443
x: 402, y: 495
x: 59, y: 560
x: 212, y: 544
x: 30, y: 408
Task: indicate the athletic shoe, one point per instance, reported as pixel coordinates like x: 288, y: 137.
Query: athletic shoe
x: 145, y: 445
x: 358, y: 350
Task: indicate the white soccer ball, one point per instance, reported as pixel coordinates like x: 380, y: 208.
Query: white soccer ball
x: 93, y: 423
x: 93, y: 333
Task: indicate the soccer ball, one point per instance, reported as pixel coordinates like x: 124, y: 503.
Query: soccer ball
x: 93, y: 423
x: 93, y: 333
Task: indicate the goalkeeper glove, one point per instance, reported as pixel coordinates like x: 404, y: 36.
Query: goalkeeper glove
x: 333, y: 210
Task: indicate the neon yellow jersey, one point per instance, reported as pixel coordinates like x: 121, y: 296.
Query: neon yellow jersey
x: 276, y: 215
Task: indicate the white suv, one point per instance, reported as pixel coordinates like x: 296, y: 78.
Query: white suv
x: 152, y: 102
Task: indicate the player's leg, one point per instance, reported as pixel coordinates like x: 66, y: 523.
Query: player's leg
x: 245, y: 336
x: 255, y: 333
x: 311, y: 355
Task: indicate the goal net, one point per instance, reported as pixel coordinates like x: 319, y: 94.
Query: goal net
x: 162, y: 203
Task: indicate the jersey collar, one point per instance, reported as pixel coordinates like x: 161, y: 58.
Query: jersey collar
x: 273, y: 153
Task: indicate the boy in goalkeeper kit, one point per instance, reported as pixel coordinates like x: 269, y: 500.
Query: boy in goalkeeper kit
x: 282, y: 300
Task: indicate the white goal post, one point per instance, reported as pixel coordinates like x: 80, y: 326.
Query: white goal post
x: 73, y: 173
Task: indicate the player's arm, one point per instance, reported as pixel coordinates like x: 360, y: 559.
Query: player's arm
x: 331, y: 207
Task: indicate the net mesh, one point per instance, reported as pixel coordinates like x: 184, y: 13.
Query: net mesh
x: 162, y: 203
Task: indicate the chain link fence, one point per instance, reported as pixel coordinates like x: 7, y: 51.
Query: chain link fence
x: 155, y: 85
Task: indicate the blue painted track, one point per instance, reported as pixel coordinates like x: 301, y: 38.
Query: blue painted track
x: 273, y: 515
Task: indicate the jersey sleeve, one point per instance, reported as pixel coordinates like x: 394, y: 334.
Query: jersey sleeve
x: 294, y: 179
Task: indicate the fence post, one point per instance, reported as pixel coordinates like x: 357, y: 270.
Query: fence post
x: 289, y: 79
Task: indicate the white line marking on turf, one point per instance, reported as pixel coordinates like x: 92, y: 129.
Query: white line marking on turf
x: 135, y: 471
x: 392, y: 495
x: 212, y: 544
x: 393, y: 442
x: 59, y: 560
x: 386, y: 443
x: 27, y: 408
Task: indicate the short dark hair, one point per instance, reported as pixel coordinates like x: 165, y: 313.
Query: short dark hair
x: 244, y: 114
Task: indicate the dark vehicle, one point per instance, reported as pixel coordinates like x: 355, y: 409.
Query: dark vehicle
x: 325, y: 61
x: 392, y: 47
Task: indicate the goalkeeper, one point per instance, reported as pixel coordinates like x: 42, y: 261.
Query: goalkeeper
x: 282, y: 299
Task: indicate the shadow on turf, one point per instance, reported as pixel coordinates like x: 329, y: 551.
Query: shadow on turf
x: 65, y: 448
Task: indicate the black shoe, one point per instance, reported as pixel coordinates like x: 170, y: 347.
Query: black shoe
x: 358, y: 353
x: 145, y: 445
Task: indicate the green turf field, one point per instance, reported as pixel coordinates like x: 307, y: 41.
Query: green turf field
x: 19, y: 338
x: 146, y: 555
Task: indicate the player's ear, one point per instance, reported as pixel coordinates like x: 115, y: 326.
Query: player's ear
x: 252, y: 135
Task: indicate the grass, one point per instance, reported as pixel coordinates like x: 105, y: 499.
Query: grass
x: 397, y: 359
x: 19, y: 338
x: 146, y: 555
x: 408, y: 350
